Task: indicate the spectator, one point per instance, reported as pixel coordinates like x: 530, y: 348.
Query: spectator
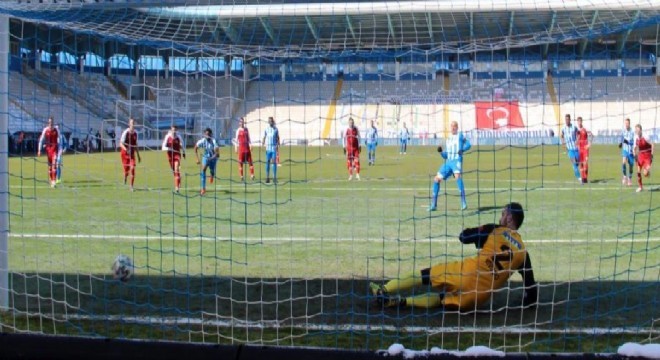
x: 112, y: 135
x: 99, y: 142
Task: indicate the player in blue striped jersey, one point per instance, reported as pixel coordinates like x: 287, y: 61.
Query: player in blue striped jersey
x: 64, y: 144
x: 626, y: 144
x: 271, y: 141
x: 210, y: 153
x: 404, y: 136
x: 372, y: 142
x: 569, y: 134
x: 456, y: 144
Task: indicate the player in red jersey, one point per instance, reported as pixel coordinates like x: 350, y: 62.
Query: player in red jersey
x: 643, y: 151
x: 173, y: 144
x: 128, y: 142
x: 584, y: 138
x: 50, y: 141
x: 352, y: 149
x: 243, y: 148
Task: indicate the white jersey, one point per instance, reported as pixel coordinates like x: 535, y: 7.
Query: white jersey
x: 372, y: 136
x: 272, y: 136
x: 629, y: 137
x: 456, y: 146
x: 209, y: 146
x: 404, y: 135
x: 570, y: 137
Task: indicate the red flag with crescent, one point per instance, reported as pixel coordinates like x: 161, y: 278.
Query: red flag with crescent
x: 498, y: 115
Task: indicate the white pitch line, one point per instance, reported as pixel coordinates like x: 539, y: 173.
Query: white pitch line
x: 358, y: 327
x: 124, y: 237
x: 574, y: 189
x: 568, y: 187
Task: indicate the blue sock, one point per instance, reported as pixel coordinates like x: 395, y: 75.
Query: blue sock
x: 576, y: 170
x: 202, y: 177
x: 623, y: 169
x: 461, y: 189
x: 630, y: 169
x: 267, y: 169
x: 274, y: 170
x: 59, y: 172
x: 436, y: 190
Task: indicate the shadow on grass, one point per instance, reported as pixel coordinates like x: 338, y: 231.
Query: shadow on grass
x: 338, y: 313
x: 601, y: 181
x: 326, y: 304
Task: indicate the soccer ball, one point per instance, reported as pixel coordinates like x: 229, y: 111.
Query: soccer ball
x: 122, y: 268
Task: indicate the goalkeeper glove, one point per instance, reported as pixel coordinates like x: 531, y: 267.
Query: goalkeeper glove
x: 344, y: 151
x: 359, y: 149
x: 440, y: 149
x: 184, y: 155
x: 620, y: 145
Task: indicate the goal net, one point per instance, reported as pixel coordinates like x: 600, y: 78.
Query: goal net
x: 287, y: 258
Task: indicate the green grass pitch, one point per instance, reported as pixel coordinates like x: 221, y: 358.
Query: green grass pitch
x: 251, y: 262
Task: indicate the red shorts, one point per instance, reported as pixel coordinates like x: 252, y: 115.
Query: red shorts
x: 245, y: 157
x: 127, y: 160
x: 51, y: 155
x: 583, y: 154
x: 352, y: 154
x: 644, y: 161
x: 173, y: 158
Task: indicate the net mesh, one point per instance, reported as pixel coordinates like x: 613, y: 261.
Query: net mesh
x: 290, y: 263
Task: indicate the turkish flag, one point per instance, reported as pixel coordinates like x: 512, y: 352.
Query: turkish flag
x: 498, y: 115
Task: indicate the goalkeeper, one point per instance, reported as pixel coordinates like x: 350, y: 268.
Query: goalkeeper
x: 467, y: 284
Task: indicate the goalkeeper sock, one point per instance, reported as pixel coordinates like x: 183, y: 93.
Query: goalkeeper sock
x: 202, y: 177
x: 436, y: 190
x: 426, y: 301
x: 404, y: 283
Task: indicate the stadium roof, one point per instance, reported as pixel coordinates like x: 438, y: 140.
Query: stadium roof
x: 278, y: 27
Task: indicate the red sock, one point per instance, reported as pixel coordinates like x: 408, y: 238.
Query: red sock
x: 240, y: 170
x: 586, y: 170
x: 177, y: 179
x: 132, y: 176
x: 251, y: 170
x: 639, y: 179
x: 350, y: 168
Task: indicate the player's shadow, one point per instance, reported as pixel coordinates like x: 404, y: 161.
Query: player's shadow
x: 85, y: 182
x: 601, y: 181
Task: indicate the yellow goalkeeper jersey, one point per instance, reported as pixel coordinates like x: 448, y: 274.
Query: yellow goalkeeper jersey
x: 471, y: 282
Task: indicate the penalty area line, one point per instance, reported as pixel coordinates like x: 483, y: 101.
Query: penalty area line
x: 124, y: 237
x: 177, y: 321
